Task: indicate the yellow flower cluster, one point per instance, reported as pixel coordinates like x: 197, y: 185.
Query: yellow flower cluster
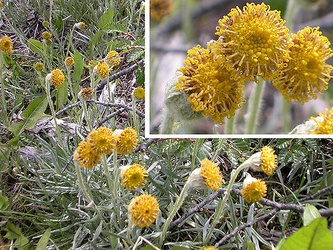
x: 268, y: 160
x: 6, y: 45
x: 86, y: 93
x: 69, y: 61
x: 104, y: 141
x: 102, y: 69
x: 211, y: 174
x: 254, y: 42
x: 139, y: 93
x: 133, y: 176
x: 113, y: 58
x: 143, y: 210
x: 253, y: 189
x: 57, y: 78
x: 325, y: 123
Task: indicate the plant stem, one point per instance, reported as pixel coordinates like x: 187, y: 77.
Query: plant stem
x: 222, y: 203
x: 116, y: 176
x: 167, y: 122
x: 254, y: 107
x: 135, y: 118
x: 3, y: 98
x: 107, y: 173
x: 229, y: 125
x: 174, y: 210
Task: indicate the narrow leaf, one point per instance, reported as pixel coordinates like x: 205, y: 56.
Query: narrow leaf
x: 36, y: 46
x: 78, y: 70
x: 42, y: 243
x: 106, y: 20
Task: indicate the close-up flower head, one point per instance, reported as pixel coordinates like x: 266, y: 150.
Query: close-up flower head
x: 306, y: 73
x: 113, y: 58
x: 254, y: 39
x: 133, y: 176
x: 211, y: 84
x: 139, y: 93
x: 263, y: 161
x: 86, y: 93
x: 211, y: 174
x: 143, y: 210
x: 101, y: 140
x: 102, y: 69
x: 253, y: 189
x: 324, y: 123
x: 57, y: 78
x: 86, y: 156
x: 127, y: 140
x: 69, y: 61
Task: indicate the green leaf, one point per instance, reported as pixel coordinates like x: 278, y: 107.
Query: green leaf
x: 78, y: 70
x: 315, y: 236
x: 62, y: 96
x: 36, y: 46
x: 97, y: 37
x: 3, y: 203
x: 42, y: 243
x: 13, y: 232
x: 310, y: 213
x: 106, y: 20
x: 30, y: 116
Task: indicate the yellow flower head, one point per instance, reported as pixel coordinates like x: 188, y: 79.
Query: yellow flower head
x: 211, y: 174
x: 306, y: 73
x: 127, y: 140
x: 211, y: 84
x: 86, y: 156
x: 268, y: 160
x: 139, y: 93
x: 113, y: 59
x: 86, y: 93
x: 253, y: 189
x: 133, y: 176
x: 6, y: 45
x: 46, y: 24
x: 324, y: 123
x: 46, y: 35
x: 1, y: 5
x: 39, y: 66
x: 160, y: 8
x: 92, y: 63
x: 103, y: 69
x: 208, y: 248
x: 254, y: 40
x: 101, y: 140
x: 57, y: 78
x: 143, y: 210
x: 69, y: 61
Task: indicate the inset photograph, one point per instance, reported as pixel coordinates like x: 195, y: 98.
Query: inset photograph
x: 239, y: 67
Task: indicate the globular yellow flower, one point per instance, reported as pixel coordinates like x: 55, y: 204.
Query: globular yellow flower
x: 46, y: 24
x: 208, y: 248
x: 139, y: 93
x: 254, y: 39
x: 92, y: 63
x: 39, y: 66
x: 211, y: 174
x: 1, y: 5
x: 86, y: 93
x: 133, y: 176
x: 306, y: 73
x: 143, y: 210
x: 113, y: 59
x: 103, y: 69
x: 211, y: 84
x: 46, y: 35
x: 57, y: 78
x: 6, y: 45
x: 253, y: 189
x: 69, y: 61
x: 102, y: 140
x: 324, y: 123
x: 127, y: 140
x: 160, y: 8
x: 86, y: 156
x: 268, y: 160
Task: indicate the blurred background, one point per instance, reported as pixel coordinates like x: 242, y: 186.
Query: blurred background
x: 178, y: 25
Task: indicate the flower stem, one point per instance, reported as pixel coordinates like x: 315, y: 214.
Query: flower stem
x: 3, y: 98
x: 174, y: 210
x: 254, y: 107
x: 85, y: 191
x: 116, y: 176
x: 219, y: 211
x: 167, y: 122
x: 107, y: 173
x: 135, y: 118
x: 229, y: 125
